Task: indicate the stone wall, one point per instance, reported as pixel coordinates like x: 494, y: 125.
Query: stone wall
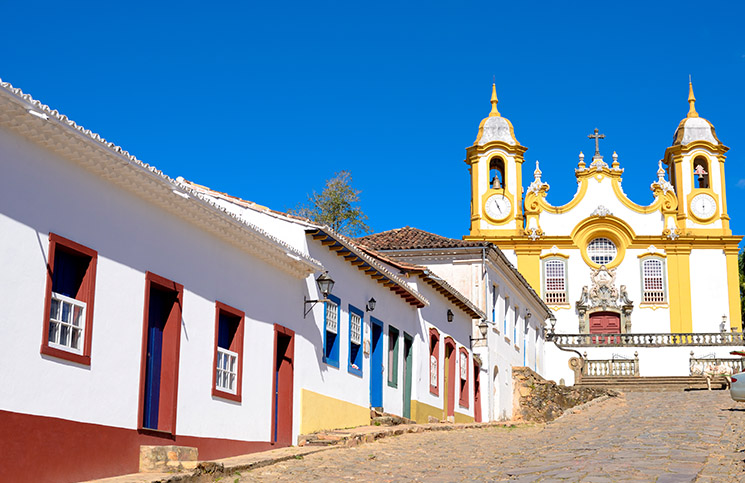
x: 537, y: 399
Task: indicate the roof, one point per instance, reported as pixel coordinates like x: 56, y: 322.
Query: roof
x: 29, y: 118
x: 407, y: 238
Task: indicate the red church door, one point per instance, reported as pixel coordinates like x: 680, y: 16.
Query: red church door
x: 604, y: 323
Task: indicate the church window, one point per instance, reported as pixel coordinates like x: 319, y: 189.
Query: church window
x: 555, y: 291
x: 602, y: 251
x: 355, y: 340
x: 700, y: 172
x: 653, y: 287
x: 331, y: 331
x: 496, y: 173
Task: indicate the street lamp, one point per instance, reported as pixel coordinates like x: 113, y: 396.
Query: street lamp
x: 370, y: 305
x: 325, y: 285
x: 450, y: 315
x: 483, y: 328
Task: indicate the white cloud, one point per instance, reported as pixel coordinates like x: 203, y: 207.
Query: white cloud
x: 741, y: 183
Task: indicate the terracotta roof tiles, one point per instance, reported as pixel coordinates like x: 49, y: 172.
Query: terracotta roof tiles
x: 411, y: 238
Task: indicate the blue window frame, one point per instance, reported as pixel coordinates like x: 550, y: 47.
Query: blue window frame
x: 356, y: 331
x: 331, y: 316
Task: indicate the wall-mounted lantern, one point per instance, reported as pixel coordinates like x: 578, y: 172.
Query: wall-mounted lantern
x: 450, y: 315
x: 325, y: 285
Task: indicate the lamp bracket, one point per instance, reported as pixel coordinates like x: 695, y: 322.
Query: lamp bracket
x: 313, y: 303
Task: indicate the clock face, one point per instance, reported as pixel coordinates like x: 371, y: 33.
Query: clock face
x: 703, y: 206
x: 498, y: 207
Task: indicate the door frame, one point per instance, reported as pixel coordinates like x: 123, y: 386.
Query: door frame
x: 376, y: 373
x: 281, y: 330
x: 476, y: 391
x: 151, y: 280
x: 450, y: 376
x: 408, y: 374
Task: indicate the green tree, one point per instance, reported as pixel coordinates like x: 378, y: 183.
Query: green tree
x: 336, y: 206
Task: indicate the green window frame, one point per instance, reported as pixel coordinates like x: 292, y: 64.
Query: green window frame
x: 393, y: 336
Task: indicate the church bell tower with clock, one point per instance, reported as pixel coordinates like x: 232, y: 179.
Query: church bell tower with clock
x: 495, y: 164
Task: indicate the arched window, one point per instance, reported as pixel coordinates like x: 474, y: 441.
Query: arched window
x: 496, y: 173
x: 555, y: 286
x: 434, y: 361
x: 653, y: 280
x: 602, y: 251
x: 700, y: 172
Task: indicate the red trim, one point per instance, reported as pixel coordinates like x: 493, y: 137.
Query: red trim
x: 464, y: 387
x: 86, y: 294
x: 174, y: 336
x: 290, y: 354
x: 450, y: 361
x: 74, y: 451
x: 434, y: 351
x: 476, y: 392
x: 236, y: 346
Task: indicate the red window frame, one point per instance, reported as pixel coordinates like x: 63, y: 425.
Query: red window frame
x: 464, y: 393
x: 86, y: 293
x: 236, y: 346
x: 434, y: 350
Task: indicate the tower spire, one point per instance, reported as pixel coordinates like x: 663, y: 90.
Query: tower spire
x: 494, y: 101
x: 691, y: 100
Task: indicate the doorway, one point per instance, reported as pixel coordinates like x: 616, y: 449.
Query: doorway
x: 376, y: 364
x: 476, y: 392
x: 604, y: 323
x: 161, y: 342
x: 282, y: 383
x: 408, y: 344
x: 450, y: 377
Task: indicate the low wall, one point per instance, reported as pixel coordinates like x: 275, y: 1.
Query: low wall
x: 536, y: 399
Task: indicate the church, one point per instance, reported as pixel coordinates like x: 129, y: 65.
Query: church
x: 607, y: 265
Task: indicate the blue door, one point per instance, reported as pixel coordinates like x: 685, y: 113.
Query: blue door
x: 158, y: 311
x: 376, y: 364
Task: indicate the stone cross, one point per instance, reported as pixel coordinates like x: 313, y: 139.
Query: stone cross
x: 597, y: 138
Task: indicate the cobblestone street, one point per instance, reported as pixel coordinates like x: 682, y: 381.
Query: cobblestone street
x: 662, y: 437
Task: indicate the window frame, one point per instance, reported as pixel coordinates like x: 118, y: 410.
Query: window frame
x: 434, y: 351
x: 565, y: 280
x: 331, y: 355
x: 358, y: 355
x: 88, y: 290
x: 393, y: 356
x: 464, y: 396
x: 663, y: 267
x: 236, y: 346
x: 602, y: 240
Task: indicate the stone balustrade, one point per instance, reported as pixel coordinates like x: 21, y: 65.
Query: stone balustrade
x: 648, y: 340
x: 611, y: 367
x: 703, y: 365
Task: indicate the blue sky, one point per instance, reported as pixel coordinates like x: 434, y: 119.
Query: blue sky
x: 267, y: 100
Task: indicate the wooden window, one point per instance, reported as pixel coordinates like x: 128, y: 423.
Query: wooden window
x: 332, y: 310
x: 555, y: 291
x: 355, y: 340
x: 434, y: 362
x: 653, y: 280
x: 392, y: 356
x: 464, y: 366
x: 602, y: 251
x: 228, y: 363
x: 68, y: 304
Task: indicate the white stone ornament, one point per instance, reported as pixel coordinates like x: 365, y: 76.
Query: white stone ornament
x: 601, y: 211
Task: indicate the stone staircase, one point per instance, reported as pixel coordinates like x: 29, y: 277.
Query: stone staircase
x: 667, y: 383
x: 330, y: 438
x: 379, y: 418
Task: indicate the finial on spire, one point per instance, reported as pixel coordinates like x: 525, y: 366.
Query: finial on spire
x: 660, y: 172
x: 537, y: 173
x: 691, y: 100
x: 494, y: 101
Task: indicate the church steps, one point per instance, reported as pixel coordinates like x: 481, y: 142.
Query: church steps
x: 662, y: 383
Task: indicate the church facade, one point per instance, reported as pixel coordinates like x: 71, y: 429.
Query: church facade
x: 605, y: 264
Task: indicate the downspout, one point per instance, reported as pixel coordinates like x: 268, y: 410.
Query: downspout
x: 485, y: 283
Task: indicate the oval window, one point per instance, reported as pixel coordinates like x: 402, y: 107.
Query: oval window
x: 602, y: 251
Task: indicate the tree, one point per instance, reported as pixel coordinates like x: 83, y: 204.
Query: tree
x: 335, y: 206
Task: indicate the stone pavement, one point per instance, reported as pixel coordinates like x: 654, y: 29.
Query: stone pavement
x: 649, y: 436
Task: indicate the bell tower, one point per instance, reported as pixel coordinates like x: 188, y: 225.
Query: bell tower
x: 495, y: 164
x: 695, y: 165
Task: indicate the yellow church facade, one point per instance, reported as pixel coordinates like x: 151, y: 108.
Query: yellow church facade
x: 603, y: 263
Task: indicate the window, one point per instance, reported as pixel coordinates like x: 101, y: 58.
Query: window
x: 602, y: 251
x: 653, y: 287
x: 555, y: 291
x: 392, y: 356
x: 700, y: 172
x: 494, y: 296
x: 506, y: 313
x: 68, y: 313
x: 434, y: 361
x: 463, y: 377
x: 355, y: 340
x: 515, y: 320
x: 228, y: 352
x: 331, y: 313
x: 496, y: 173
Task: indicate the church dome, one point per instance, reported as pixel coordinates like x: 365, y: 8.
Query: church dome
x: 693, y: 127
x: 495, y: 127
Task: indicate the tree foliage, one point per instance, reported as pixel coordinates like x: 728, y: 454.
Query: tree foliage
x: 336, y: 206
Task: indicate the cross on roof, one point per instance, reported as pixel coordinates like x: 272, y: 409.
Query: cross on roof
x: 597, y: 138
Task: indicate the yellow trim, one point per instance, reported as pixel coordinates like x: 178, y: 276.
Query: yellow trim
x: 421, y: 412
x: 529, y: 266
x: 560, y: 307
x: 651, y: 254
x: 695, y: 192
x: 554, y: 255
x: 319, y: 412
x: 615, y: 229
x: 679, y: 288
x: 733, y: 287
x: 463, y: 418
x: 653, y: 306
x: 536, y: 203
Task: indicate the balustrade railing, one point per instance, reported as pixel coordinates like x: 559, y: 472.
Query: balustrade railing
x: 611, y: 367
x: 648, y: 340
x: 715, y: 365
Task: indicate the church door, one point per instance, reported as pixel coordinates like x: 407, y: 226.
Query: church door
x: 605, y: 323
